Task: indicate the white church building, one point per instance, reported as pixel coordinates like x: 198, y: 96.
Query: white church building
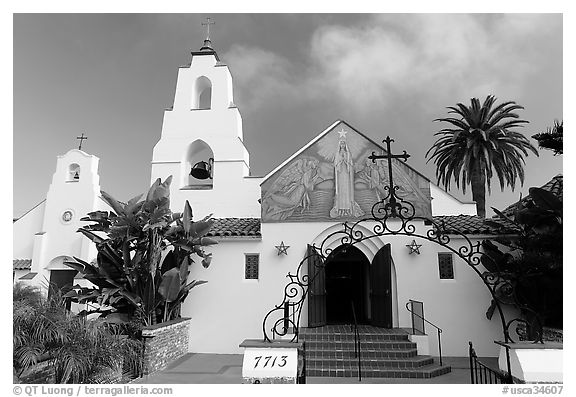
x: 266, y: 224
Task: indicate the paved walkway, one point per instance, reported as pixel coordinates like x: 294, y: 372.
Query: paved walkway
x: 199, y: 368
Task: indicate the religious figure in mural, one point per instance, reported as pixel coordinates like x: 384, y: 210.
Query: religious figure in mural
x: 291, y: 190
x: 372, y: 178
x: 344, y: 204
x: 375, y: 177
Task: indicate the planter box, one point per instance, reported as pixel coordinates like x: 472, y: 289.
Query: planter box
x: 164, y: 343
x: 533, y: 362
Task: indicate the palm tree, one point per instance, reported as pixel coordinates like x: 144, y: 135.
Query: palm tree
x: 479, y: 143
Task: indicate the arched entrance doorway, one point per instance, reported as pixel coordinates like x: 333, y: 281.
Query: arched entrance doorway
x: 347, y: 278
x: 347, y: 283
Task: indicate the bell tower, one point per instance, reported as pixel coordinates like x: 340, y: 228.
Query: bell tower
x: 74, y: 192
x: 202, y: 144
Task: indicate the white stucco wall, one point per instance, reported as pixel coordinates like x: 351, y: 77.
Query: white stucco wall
x: 23, y: 231
x: 444, y: 203
x: 230, y: 309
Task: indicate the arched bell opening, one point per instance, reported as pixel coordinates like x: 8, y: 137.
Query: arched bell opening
x: 73, y: 174
x: 198, y: 166
x: 202, y: 99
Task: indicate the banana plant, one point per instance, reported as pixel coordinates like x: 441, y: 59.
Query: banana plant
x: 145, y: 252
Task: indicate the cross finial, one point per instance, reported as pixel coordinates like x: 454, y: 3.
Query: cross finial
x: 207, y: 24
x: 81, y: 138
x: 389, y: 156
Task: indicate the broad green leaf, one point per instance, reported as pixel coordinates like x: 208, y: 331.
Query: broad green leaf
x: 169, y: 262
x: 204, y: 241
x: 170, y: 285
x: 184, y: 269
x: 200, y: 228
x: 187, y: 217
x: 112, y: 202
x: 92, y: 236
x: 206, y: 260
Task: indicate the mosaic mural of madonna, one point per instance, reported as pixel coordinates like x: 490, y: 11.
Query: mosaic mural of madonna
x: 333, y: 179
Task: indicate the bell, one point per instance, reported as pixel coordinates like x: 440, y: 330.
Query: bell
x: 201, y: 170
x: 76, y: 175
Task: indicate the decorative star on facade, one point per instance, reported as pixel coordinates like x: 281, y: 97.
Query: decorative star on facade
x: 282, y: 249
x: 414, y: 248
x: 342, y: 134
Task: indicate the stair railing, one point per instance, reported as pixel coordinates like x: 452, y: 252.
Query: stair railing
x: 410, y: 307
x: 357, y: 353
x: 482, y: 373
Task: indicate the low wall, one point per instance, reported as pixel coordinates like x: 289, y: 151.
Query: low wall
x: 164, y: 343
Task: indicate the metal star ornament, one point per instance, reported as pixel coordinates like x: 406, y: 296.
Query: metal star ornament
x: 282, y: 249
x: 414, y: 248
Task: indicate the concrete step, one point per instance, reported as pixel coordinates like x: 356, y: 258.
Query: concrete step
x: 364, y: 345
x: 342, y: 337
x: 369, y: 362
x: 428, y: 371
x: 365, y: 353
x: 349, y: 329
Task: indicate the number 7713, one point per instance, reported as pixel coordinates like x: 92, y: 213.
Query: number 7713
x: 277, y: 361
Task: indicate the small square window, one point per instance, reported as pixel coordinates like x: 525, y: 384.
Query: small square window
x: 251, y: 266
x: 446, y: 266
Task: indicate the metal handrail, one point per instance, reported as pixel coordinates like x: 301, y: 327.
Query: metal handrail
x: 438, y: 329
x: 357, y: 353
x: 481, y: 373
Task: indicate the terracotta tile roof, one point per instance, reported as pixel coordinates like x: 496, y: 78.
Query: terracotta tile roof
x: 28, y: 276
x: 21, y: 264
x: 235, y: 227
x: 472, y: 224
x: 555, y: 185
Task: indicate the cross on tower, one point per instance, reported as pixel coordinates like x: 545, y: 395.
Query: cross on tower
x: 207, y: 24
x: 389, y: 156
x: 81, y: 139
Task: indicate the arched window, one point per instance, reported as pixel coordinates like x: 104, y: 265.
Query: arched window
x: 198, y: 166
x: 73, y: 173
x: 202, y: 93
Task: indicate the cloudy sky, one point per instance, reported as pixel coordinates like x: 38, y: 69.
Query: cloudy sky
x: 112, y: 75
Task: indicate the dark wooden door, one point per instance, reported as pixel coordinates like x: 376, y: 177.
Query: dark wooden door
x: 381, y: 288
x: 316, y: 289
x: 61, y: 280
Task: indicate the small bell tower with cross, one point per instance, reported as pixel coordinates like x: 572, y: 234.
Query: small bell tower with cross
x: 202, y: 141
x: 73, y: 193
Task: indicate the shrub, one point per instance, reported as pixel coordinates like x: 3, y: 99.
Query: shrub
x: 144, y: 256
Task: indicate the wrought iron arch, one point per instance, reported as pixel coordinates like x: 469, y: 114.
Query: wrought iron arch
x: 393, y: 216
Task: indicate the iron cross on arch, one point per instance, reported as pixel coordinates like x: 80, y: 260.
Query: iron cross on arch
x: 389, y: 156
